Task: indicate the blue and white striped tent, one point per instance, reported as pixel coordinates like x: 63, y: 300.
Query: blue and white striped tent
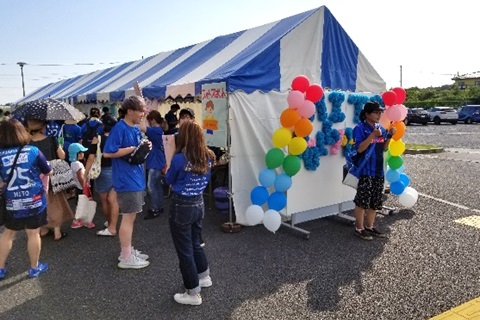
x: 264, y: 58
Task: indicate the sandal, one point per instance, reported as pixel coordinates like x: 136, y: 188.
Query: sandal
x: 63, y: 236
x: 105, y: 233
x: 50, y: 232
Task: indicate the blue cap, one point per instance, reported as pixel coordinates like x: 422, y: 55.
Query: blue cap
x: 74, y: 149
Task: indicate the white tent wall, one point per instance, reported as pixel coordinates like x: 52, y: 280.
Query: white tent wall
x: 253, y: 120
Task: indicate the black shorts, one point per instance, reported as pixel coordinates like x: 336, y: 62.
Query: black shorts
x: 369, y: 193
x: 34, y: 222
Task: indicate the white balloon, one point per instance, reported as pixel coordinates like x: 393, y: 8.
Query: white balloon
x: 407, y: 199
x: 254, y: 215
x: 412, y: 191
x: 272, y: 220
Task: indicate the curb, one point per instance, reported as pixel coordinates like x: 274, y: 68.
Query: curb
x: 423, y: 151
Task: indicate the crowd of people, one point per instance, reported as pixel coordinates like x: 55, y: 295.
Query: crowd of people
x: 122, y: 184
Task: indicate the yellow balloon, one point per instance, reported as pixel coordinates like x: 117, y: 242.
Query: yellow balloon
x: 397, y: 147
x: 297, y: 146
x: 281, y: 137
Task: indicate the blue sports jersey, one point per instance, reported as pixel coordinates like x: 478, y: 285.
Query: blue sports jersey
x: 183, y: 181
x: 25, y: 195
x: 374, y: 165
x: 126, y: 177
x: 156, y: 158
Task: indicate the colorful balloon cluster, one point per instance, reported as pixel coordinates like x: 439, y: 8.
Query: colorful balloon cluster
x: 296, y: 126
x: 393, y: 116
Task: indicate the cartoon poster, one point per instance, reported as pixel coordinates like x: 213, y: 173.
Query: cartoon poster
x: 214, y: 106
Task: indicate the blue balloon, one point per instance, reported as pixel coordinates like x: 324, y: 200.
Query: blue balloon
x: 405, y: 179
x: 283, y: 182
x: 392, y: 175
x: 401, y: 169
x: 277, y: 201
x: 267, y: 177
x: 259, y: 195
x: 397, y: 188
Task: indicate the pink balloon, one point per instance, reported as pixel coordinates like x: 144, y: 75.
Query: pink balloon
x: 307, y: 109
x: 401, y: 94
x: 314, y: 93
x: 295, y: 99
x: 394, y: 113
x: 404, y: 111
x: 384, y: 120
x: 389, y: 98
x: 300, y: 83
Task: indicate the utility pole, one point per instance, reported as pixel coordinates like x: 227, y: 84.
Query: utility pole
x: 21, y: 64
x: 401, y: 86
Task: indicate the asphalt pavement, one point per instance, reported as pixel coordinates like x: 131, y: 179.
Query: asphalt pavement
x: 428, y: 264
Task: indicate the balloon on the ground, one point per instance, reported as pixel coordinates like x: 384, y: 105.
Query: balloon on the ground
x: 297, y: 146
x: 389, y: 98
x: 392, y: 175
x: 259, y: 195
x: 395, y: 162
x: 272, y: 220
x: 397, y: 188
x: 289, y: 117
x: 307, y: 109
x: 314, y: 93
x: 274, y: 158
x: 295, y: 99
x: 303, y: 127
x: 254, y: 215
x: 300, y: 83
x: 407, y: 199
x: 291, y: 165
x: 267, y: 177
x: 396, y: 147
x: 401, y: 94
x: 400, y: 127
x: 405, y: 179
x: 283, y: 182
x: 277, y: 201
x: 412, y: 191
x: 281, y: 137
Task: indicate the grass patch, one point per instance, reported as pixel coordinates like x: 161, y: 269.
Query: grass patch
x: 414, y: 146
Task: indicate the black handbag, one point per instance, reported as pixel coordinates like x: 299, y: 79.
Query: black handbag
x: 3, y: 201
x: 140, y: 154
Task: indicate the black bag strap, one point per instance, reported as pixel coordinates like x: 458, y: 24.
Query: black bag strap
x: 13, y: 166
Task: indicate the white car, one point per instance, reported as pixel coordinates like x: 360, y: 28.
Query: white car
x: 443, y: 114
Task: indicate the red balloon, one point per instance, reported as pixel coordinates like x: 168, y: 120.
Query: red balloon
x: 300, y: 83
x: 314, y: 93
x: 389, y: 98
x: 401, y: 94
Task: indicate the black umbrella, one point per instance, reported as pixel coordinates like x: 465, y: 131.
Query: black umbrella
x: 48, y: 109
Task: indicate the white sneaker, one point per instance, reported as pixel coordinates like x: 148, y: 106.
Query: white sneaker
x: 185, y: 298
x: 205, y: 282
x: 136, y: 253
x: 133, y: 262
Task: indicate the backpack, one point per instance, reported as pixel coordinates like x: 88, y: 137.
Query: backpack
x: 89, y: 134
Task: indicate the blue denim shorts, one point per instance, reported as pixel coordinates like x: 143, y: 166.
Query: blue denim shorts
x: 104, y: 182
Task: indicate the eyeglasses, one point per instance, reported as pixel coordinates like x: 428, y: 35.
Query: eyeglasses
x: 377, y: 112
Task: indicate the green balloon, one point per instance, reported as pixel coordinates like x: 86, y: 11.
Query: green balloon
x: 291, y: 165
x: 395, y: 162
x: 274, y: 158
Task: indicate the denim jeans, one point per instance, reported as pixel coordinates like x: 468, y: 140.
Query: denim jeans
x: 155, y: 189
x: 186, y: 215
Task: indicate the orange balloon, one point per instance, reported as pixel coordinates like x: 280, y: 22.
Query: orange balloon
x: 289, y: 117
x: 400, y: 126
x: 303, y: 127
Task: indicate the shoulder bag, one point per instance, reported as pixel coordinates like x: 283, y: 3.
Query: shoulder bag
x: 351, y: 174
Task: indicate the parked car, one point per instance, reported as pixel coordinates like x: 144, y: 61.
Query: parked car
x: 443, y: 114
x: 469, y: 113
x: 417, y: 115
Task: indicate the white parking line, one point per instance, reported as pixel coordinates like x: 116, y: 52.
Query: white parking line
x: 449, y: 203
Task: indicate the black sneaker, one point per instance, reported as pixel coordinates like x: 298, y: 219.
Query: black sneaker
x: 375, y: 232
x: 362, y: 234
x: 152, y: 214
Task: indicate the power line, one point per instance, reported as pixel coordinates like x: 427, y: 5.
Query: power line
x: 62, y: 64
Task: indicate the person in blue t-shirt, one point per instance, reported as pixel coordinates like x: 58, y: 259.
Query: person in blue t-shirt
x: 25, y: 197
x: 128, y: 179
x: 171, y: 118
x: 72, y: 133
x: 370, y: 134
x: 155, y: 163
x: 188, y: 176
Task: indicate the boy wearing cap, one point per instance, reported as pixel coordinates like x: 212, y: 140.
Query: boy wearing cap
x: 370, y: 134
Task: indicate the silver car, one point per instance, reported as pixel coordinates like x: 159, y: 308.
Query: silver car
x: 443, y: 114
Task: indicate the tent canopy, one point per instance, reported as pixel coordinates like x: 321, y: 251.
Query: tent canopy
x: 264, y: 58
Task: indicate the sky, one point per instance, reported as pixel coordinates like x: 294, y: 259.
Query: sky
x: 423, y: 43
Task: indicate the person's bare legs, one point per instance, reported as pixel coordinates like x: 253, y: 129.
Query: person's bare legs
x: 126, y: 232
x: 105, y: 205
x: 113, y: 211
x: 34, y: 246
x: 6, y: 242
x: 370, y: 218
x: 58, y: 232
x: 359, y: 217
